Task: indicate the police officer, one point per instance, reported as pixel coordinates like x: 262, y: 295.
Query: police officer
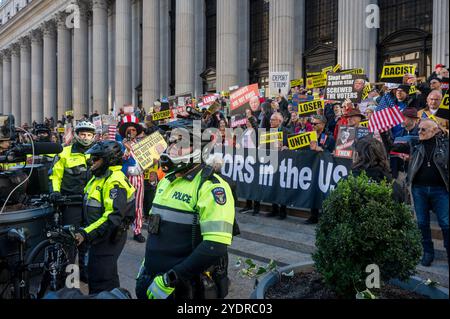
x: 43, y: 135
x: 190, y: 227
x: 109, y: 204
x: 69, y: 176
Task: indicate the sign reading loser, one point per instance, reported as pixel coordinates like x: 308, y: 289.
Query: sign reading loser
x: 308, y: 108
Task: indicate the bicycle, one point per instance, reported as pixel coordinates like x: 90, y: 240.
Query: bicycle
x: 48, y: 259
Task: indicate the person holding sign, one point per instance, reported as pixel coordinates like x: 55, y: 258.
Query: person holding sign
x: 129, y: 130
x: 434, y: 100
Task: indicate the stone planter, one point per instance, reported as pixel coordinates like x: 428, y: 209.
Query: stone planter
x: 414, y: 283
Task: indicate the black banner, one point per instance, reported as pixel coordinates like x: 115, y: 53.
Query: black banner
x: 300, y: 179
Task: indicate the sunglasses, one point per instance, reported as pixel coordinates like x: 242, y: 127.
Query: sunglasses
x: 315, y: 124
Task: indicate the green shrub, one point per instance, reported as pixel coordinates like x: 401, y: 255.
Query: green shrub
x: 362, y: 225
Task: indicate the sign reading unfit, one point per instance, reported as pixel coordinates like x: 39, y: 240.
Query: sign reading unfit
x: 299, y: 141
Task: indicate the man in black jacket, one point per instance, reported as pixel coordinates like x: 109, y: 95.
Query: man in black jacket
x: 428, y: 175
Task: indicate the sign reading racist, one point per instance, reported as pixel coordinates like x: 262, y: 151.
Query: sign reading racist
x: 308, y: 108
x: 149, y: 149
x: 341, y: 87
x: 300, y: 141
x: 242, y: 99
x: 394, y: 73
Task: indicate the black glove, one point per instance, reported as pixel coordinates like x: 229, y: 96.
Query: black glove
x: 55, y: 197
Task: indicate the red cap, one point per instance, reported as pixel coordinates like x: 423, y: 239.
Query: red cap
x: 439, y: 66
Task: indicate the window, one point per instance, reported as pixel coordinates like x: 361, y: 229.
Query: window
x: 259, y: 42
x: 321, y: 23
x: 211, y: 33
x: 405, y: 34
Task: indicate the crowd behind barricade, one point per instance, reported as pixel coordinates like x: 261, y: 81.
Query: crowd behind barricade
x: 414, y: 153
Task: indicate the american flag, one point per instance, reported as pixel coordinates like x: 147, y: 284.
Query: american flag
x: 112, y: 130
x: 386, y: 116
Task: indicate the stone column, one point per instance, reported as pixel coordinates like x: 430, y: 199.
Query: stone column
x: 15, y: 83
x: 136, y: 45
x: 64, y: 68
x: 354, y: 48
x: 49, y: 29
x: 151, y: 53
x: 7, y: 81
x: 199, y: 46
x: 164, y: 51
x: 37, y: 106
x: 184, y: 46
x: 100, y: 56
x: 281, y: 36
x: 1, y: 82
x: 440, y: 32
x: 111, y: 55
x: 123, y: 53
x: 81, y: 64
x: 299, y: 39
x: 227, y: 44
x: 25, y: 80
x: 90, y: 63
x: 244, y: 42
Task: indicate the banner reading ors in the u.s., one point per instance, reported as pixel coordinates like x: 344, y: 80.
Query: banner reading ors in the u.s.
x: 300, y: 179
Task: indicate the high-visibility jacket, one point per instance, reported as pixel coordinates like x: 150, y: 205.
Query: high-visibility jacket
x: 188, y: 206
x: 108, y: 202
x: 70, y: 172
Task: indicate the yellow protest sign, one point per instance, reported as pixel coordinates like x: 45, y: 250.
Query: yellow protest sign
x: 301, y: 140
x: 397, y: 71
x: 364, y: 124
x: 318, y: 81
x: 353, y: 71
x: 149, y: 149
x: 61, y: 130
x: 298, y: 82
x: 161, y: 115
x: 310, y: 107
x: 413, y: 90
x: 443, y: 111
x: 311, y: 74
x: 69, y: 113
x: 366, y: 91
x: 327, y: 69
x: 337, y: 68
x: 270, y: 137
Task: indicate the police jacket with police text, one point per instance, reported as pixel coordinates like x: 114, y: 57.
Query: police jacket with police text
x: 185, y: 208
x: 108, y: 202
x: 70, y: 172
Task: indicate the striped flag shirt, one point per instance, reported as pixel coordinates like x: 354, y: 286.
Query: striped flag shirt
x: 112, y: 131
x: 386, y: 116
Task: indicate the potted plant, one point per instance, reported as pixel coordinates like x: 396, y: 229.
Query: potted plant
x: 362, y: 227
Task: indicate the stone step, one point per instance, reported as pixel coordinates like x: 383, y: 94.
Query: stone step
x: 437, y: 272
x: 265, y: 253
x: 291, y: 233
x: 304, y: 213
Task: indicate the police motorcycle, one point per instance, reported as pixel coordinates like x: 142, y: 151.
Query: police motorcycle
x: 33, y: 243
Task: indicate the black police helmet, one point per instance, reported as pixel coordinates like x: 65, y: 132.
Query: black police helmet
x: 110, y: 151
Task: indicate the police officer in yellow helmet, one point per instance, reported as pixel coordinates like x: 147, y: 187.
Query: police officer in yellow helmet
x: 109, y: 205
x: 190, y: 227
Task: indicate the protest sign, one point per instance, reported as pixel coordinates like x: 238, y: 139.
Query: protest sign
x: 308, y: 108
x: 268, y: 138
x: 341, y: 87
x: 149, y: 149
x: 345, y: 141
x: 364, y: 124
x: 443, y: 111
x: 327, y: 70
x: 69, y: 113
x: 317, y: 81
x: 97, y: 121
x: 61, y: 130
x: 128, y: 110
x: 367, y: 89
x: 299, y: 141
x: 241, y: 100
x: 353, y: 71
x: 279, y: 83
x: 298, y: 82
x: 301, y: 179
x: 208, y: 100
x: 394, y: 73
x: 337, y: 68
x: 162, y: 112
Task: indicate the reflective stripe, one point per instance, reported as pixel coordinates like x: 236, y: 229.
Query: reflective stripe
x: 71, y: 170
x: 174, y: 217
x: 93, y: 203
x: 156, y: 292
x: 216, y: 227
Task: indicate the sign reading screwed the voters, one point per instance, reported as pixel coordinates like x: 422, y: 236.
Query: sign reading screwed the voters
x: 279, y: 83
x: 241, y: 100
x: 394, y: 73
x: 341, y: 87
x: 300, y: 141
x: 149, y: 149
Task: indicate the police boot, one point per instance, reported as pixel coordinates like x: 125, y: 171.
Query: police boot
x: 427, y: 244
x: 256, y: 206
x: 283, y: 213
x: 275, y: 211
